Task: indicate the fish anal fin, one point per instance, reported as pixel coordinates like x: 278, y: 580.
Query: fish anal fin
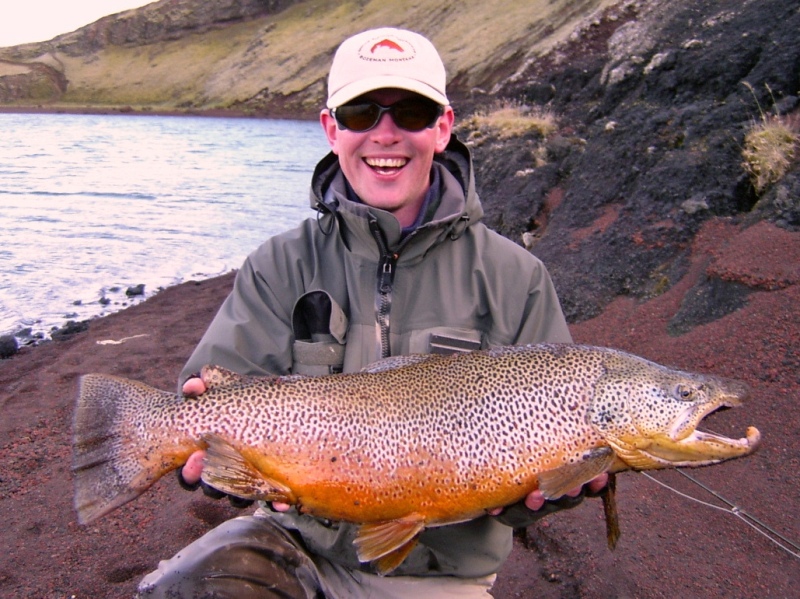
x: 388, y: 543
x: 226, y: 469
x: 390, y: 561
x: 559, y: 481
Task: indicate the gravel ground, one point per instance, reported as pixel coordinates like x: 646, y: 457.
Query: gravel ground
x: 670, y: 546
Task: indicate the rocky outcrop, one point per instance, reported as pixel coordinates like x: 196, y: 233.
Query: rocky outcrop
x: 156, y: 22
x: 30, y: 83
x: 654, y: 100
x: 166, y: 20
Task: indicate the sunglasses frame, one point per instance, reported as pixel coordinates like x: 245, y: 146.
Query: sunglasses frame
x: 391, y: 110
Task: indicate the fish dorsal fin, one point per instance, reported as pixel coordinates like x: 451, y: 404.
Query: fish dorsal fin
x: 388, y: 543
x: 217, y: 376
x: 229, y: 471
x: 559, y: 481
x: 395, y: 362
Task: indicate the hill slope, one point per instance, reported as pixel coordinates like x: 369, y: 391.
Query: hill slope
x: 270, y: 57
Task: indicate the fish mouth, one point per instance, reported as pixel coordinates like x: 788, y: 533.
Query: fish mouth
x: 701, y: 448
x: 685, y: 424
x: 685, y: 445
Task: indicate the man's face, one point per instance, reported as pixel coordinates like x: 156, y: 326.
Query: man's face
x: 389, y: 167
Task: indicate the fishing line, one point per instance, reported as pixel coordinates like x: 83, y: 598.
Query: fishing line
x: 753, y: 522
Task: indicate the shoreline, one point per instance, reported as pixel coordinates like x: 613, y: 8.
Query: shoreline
x: 126, y: 110
x: 34, y: 336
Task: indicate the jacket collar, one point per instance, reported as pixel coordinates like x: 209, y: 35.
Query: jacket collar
x: 458, y: 208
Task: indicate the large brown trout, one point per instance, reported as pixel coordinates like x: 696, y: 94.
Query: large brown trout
x: 409, y: 443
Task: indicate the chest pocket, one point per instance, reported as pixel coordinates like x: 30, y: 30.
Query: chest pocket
x: 320, y: 332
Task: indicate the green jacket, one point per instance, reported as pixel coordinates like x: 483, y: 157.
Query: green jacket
x: 368, y: 292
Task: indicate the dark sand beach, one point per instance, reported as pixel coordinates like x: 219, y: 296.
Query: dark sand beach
x: 670, y: 546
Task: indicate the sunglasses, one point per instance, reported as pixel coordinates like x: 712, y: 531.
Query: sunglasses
x: 411, y: 114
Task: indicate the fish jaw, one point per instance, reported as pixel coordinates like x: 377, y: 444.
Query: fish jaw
x: 697, y: 449
x: 688, y: 419
x: 649, y: 415
x: 685, y: 445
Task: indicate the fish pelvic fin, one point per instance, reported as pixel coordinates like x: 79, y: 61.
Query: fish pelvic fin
x: 226, y: 469
x: 117, y: 454
x: 557, y: 482
x: 387, y: 544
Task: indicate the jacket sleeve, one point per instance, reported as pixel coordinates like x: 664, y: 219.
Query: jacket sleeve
x: 252, y: 332
x: 543, y: 320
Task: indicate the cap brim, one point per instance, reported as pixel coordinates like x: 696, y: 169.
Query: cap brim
x: 363, y: 86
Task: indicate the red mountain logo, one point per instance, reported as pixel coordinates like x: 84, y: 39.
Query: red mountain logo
x: 385, y: 49
x: 389, y: 44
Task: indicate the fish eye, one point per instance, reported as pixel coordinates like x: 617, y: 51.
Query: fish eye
x: 684, y: 392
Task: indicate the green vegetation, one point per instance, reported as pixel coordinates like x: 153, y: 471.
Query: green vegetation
x: 507, y: 120
x: 769, y: 148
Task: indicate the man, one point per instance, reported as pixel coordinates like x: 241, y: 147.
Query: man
x: 396, y: 262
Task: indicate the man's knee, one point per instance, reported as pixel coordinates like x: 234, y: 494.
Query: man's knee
x: 245, y: 557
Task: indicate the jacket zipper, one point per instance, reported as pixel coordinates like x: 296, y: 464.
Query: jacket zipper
x: 383, y: 295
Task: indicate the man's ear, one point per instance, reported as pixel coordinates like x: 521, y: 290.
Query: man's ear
x: 444, y: 128
x: 329, y: 127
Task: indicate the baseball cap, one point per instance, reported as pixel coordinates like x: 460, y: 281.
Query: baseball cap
x: 383, y: 58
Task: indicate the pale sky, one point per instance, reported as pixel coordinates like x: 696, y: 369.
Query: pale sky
x: 26, y: 21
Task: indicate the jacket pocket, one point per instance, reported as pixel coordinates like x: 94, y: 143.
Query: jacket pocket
x: 445, y: 340
x: 320, y: 331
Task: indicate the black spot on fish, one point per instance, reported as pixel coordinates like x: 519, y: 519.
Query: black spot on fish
x: 605, y: 416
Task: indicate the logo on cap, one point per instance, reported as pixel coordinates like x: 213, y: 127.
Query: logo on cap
x: 385, y: 49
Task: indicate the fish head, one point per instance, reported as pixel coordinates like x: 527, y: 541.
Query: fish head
x: 649, y: 414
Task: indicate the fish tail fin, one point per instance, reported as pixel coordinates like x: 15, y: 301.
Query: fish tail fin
x: 117, y: 452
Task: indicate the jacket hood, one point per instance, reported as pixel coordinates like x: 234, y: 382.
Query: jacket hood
x: 460, y: 206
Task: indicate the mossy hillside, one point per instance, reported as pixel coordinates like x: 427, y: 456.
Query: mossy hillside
x: 287, y: 54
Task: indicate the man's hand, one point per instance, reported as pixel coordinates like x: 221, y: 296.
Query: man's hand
x: 194, y: 387
x: 191, y: 472
x: 193, y: 468
x: 536, y: 501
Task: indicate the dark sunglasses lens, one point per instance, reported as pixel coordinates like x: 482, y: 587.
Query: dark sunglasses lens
x: 415, y: 114
x: 358, y: 117
x: 411, y: 114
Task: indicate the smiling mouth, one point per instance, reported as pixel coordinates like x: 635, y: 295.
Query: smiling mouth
x: 386, y: 165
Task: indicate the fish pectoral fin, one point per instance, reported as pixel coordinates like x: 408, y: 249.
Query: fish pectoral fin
x: 228, y: 470
x: 559, y: 481
x: 636, y: 457
x: 388, y: 543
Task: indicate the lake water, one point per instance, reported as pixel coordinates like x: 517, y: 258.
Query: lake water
x: 92, y: 205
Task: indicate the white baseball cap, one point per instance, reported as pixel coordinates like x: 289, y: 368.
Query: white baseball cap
x: 386, y: 58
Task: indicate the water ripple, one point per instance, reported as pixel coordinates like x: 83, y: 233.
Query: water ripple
x: 95, y: 203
